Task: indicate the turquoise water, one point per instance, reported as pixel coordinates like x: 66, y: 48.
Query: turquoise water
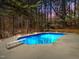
x: 41, y: 38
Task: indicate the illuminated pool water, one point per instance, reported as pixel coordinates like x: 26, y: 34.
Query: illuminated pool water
x: 41, y: 38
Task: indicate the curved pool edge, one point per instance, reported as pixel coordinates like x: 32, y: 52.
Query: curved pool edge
x: 36, y: 33
x: 18, y: 42
x: 41, y: 32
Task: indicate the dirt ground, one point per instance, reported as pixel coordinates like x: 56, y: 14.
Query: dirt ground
x: 66, y: 47
x: 67, y: 30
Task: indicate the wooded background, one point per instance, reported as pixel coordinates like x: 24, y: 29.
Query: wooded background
x: 24, y: 16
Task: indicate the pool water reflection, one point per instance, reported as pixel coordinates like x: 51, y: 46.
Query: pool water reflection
x: 40, y: 38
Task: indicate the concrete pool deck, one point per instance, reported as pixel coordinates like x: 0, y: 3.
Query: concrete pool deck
x: 66, y: 47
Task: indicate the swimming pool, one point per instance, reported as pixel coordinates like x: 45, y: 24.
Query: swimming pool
x: 40, y: 38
